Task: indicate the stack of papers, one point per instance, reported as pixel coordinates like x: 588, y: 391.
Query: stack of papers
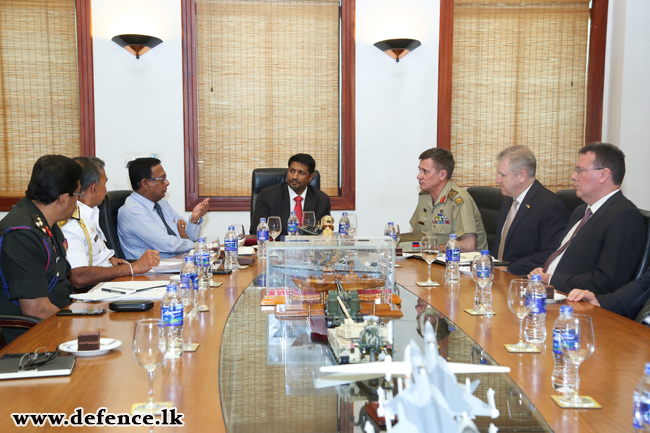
x: 167, y: 266
x: 124, y: 290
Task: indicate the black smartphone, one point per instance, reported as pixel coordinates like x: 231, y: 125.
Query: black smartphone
x: 222, y: 271
x: 86, y: 312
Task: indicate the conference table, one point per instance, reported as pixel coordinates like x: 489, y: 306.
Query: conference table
x: 244, y: 378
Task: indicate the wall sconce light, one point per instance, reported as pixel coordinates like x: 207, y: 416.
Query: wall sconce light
x: 397, y: 48
x: 136, y: 44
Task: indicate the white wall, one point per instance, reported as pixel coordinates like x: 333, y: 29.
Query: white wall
x: 626, y: 113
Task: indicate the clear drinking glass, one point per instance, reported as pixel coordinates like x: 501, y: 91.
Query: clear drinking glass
x: 309, y: 220
x: 353, y: 223
x: 275, y: 227
x: 149, y: 347
x: 578, y: 343
x: 187, y: 297
x: 520, y: 289
x: 429, y: 250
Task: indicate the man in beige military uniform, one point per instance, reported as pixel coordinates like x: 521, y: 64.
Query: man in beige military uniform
x: 444, y: 208
x: 91, y: 260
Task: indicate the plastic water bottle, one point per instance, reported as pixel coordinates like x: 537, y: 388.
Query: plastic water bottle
x: 483, y: 275
x: 172, y: 315
x: 535, y: 329
x: 292, y: 224
x: 641, y: 419
x: 391, y: 231
x: 262, y: 238
x: 191, y: 277
x: 452, y: 272
x: 344, y: 224
x: 563, y: 378
x: 231, y: 246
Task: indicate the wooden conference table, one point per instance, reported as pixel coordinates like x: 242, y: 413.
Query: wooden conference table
x: 197, y: 383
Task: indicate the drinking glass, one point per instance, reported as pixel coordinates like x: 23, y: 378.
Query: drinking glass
x: 577, y: 343
x: 241, y: 234
x: 309, y: 220
x: 397, y: 234
x: 429, y: 250
x: 519, y: 407
x: 520, y: 289
x: 149, y: 347
x: 275, y: 227
x: 353, y: 223
x: 187, y: 297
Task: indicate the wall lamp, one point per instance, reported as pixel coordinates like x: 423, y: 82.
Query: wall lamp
x: 397, y: 48
x: 136, y: 44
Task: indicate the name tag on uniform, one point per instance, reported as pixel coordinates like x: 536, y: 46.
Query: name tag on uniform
x: 96, y: 237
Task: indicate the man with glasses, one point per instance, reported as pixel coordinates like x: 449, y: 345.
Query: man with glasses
x: 147, y: 220
x: 91, y: 260
x: 605, y: 237
x: 32, y: 247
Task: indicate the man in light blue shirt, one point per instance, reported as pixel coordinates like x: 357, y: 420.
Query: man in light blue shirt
x: 147, y: 220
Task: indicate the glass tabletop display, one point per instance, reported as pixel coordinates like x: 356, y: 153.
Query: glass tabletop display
x: 268, y: 365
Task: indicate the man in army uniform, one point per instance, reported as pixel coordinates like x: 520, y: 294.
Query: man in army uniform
x: 91, y: 260
x: 444, y: 208
x: 32, y: 249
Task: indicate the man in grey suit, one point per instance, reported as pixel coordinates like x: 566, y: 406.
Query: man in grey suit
x: 532, y: 218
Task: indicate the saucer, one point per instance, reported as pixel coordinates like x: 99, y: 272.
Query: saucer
x: 105, y: 346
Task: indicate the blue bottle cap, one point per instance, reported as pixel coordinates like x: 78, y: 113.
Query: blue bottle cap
x: 188, y: 258
x: 344, y: 213
x: 452, y: 236
x: 171, y: 287
x: 647, y: 368
x: 566, y: 309
x: 485, y: 252
x: 231, y: 228
x: 292, y: 213
x: 262, y: 220
x: 390, y: 223
x: 536, y: 278
x: 201, y: 239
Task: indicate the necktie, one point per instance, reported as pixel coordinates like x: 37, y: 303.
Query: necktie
x: 298, y: 209
x: 159, y: 211
x: 566, y: 244
x: 506, y: 227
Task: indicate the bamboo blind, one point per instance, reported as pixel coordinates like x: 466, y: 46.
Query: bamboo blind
x: 519, y: 77
x: 268, y: 87
x: 39, y: 87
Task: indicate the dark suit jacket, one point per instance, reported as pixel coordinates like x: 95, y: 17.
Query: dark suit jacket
x: 606, y: 251
x: 274, y: 201
x: 535, y: 232
x: 629, y: 299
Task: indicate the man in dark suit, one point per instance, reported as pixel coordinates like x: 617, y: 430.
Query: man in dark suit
x: 532, y: 218
x: 605, y: 237
x: 293, y: 195
x: 627, y: 301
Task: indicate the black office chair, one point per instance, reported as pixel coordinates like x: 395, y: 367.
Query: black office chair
x: 570, y: 199
x: 13, y: 326
x: 265, y: 177
x: 645, y: 259
x: 488, y: 200
x: 108, y: 219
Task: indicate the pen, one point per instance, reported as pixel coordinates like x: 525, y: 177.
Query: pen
x: 121, y: 292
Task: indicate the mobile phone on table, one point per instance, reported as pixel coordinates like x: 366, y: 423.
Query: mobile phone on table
x: 222, y: 271
x: 84, y: 312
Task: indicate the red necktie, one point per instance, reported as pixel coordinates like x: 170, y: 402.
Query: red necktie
x: 298, y: 209
x: 566, y: 244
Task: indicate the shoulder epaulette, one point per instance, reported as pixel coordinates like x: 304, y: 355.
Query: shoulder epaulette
x: 75, y: 216
x: 453, y: 193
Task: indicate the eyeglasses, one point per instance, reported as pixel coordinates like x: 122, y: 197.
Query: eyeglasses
x: 79, y: 194
x: 164, y: 178
x: 31, y: 361
x: 579, y: 170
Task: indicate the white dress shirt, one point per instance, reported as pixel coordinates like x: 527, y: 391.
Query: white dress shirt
x: 292, y: 200
x: 78, y: 248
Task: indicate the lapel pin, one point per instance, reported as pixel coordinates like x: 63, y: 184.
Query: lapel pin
x: 528, y: 206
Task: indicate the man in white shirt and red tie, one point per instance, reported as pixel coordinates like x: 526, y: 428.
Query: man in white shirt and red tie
x: 295, y: 194
x: 604, y: 241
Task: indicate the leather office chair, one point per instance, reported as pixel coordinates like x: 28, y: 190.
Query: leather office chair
x: 108, y: 218
x: 570, y: 199
x: 17, y: 323
x: 645, y: 259
x: 488, y: 200
x: 265, y: 177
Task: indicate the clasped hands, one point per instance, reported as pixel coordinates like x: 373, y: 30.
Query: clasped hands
x: 576, y: 295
